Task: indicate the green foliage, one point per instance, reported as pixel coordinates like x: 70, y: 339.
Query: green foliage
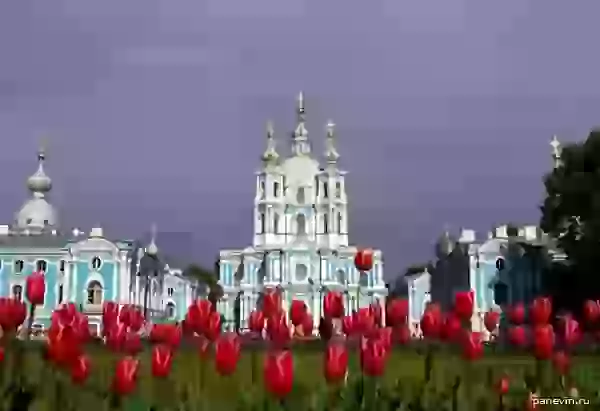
x: 571, y: 213
x: 454, y: 385
x: 208, y: 279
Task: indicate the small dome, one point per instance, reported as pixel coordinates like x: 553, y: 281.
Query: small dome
x: 36, y: 213
x: 301, y: 170
x: 445, y: 244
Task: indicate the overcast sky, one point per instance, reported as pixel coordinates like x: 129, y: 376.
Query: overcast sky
x: 155, y: 110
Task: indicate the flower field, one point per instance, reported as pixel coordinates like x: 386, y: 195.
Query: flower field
x: 362, y: 361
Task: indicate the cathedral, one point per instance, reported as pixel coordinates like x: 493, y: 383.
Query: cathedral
x: 300, y: 241
x: 84, y: 268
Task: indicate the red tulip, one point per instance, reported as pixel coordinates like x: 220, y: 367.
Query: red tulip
x: 227, y: 353
x: 451, y: 328
x: 561, y: 362
x: 80, y: 369
x: 307, y: 325
x: 373, y: 357
x: 132, y: 344
x: 333, y: 305
x: 516, y: 314
x: 162, y: 360
x: 297, y: 312
x: 401, y: 334
x: 125, y: 377
x: 203, y: 346
x: 197, y: 315
x: 213, y: 326
x: 363, y: 260
x: 278, y: 329
x: 517, y: 336
x: 169, y: 334
x: 63, y: 346
x: 335, y: 363
x: 256, y: 321
x: 397, y: 312
x: 136, y: 319
x: 503, y: 385
x: 110, y: 315
x: 279, y: 373
x: 543, y: 341
x: 591, y: 311
x: 491, y: 319
x: 348, y: 325
x: 463, y: 305
x: 365, y: 323
x: 271, y: 302
x: 116, y: 336
x: 570, y: 330
x: 35, y: 288
x: 431, y: 322
x: 385, y: 335
x: 541, y: 310
x: 472, y: 346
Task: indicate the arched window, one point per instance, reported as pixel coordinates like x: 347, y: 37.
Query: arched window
x: 96, y: 263
x: 19, y: 265
x: 41, y: 265
x: 262, y: 223
x: 325, y: 190
x: 170, y: 310
x: 325, y: 223
x: 301, y: 224
x: 338, y: 190
x: 276, y: 223
x: 276, y: 189
x: 301, y: 195
x: 339, y: 223
x: 17, y: 292
x: 301, y: 272
x: 262, y: 189
x: 94, y: 293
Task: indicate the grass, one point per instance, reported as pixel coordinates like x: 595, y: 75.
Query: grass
x: 405, y: 364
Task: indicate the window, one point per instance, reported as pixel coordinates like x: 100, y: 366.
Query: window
x: 94, y: 293
x: 262, y: 189
x: 300, y: 224
x: 338, y: 190
x: 62, y: 265
x: 339, y: 223
x: 60, y: 294
x: 364, y: 280
x: 17, y: 292
x: 28, y: 221
x: 276, y: 223
x: 262, y: 223
x: 19, y: 265
x: 96, y: 263
x: 46, y: 222
x: 41, y: 265
x: 325, y: 190
x: 301, y: 272
x: 170, y: 310
x: 317, y: 184
x: 300, y: 195
x: 500, y: 264
x: 325, y: 223
x: 170, y: 291
x: 276, y: 189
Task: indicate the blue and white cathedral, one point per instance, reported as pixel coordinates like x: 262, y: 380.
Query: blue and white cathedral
x: 300, y: 240
x: 84, y: 268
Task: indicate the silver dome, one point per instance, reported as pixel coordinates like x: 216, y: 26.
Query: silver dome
x: 36, y: 213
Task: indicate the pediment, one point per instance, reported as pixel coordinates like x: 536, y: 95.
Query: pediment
x: 94, y: 245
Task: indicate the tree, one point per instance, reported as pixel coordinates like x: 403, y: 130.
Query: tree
x: 208, y: 280
x: 571, y: 214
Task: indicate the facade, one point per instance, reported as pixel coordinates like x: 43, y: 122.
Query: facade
x: 505, y: 268
x: 84, y: 268
x: 300, y: 242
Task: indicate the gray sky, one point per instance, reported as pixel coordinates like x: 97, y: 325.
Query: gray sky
x: 155, y: 110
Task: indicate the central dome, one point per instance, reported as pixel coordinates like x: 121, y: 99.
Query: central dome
x: 300, y: 170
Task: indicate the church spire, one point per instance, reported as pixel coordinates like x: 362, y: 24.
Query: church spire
x: 270, y: 156
x: 39, y: 183
x: 331, y: 153
x: 152, y: 249
x: 556, y: 151
x: 300, y: 145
